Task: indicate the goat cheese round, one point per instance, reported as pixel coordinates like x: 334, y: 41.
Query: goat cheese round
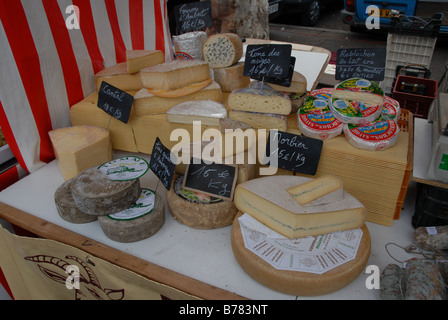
x: 140, y: 221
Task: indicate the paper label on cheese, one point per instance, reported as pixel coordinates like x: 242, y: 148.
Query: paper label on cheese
x: 360, y: 85
x: 378, y: 131
x: 314, y: 254
x: 124, y: 169
x: 143, y: 206
x: 354, y: 111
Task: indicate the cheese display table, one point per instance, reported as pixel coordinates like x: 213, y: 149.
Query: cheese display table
x: 198, y: 262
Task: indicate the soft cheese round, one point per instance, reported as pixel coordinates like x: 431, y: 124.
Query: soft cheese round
x: 95, y: 194
x: 198, y: 210
x: 315, y: 118
x: 376, y: 136
x: 294, y: 282
x: 66, y: 206
x: 140, y: 221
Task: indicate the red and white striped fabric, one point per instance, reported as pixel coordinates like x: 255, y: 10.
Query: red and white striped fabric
x: 49, y: 53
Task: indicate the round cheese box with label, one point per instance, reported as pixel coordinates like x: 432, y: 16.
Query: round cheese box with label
x: 140, y: 221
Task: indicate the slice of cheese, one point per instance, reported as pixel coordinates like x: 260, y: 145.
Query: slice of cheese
x: 183, y: 91
x: 140, y: 59
x: 81, y: 147
x: 260, y: 100
x: 118, y: 76
x: 297, y: 283
x: 267, y: 200
x: 298, y: 84
x: 231, y: 78
x: 223, y: 50
x: 322, y: 190
x: 256, y: 120
x: 147, y: 103
x: 86, y: 112
x: 206, y: 111
x: 174, y: 74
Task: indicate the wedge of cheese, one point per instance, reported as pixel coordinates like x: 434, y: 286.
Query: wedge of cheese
x: 78, y: 148
x: 147, y: 103
x: 206, y: 111
x: 231, y: 78
x: 267, y: 199
x: 322, y: 190
x: 118, y: 76
x: 174, y: 74
x: 140, y: 59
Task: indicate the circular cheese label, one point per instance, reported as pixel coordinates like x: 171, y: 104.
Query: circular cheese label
x: 143, y: 206
x: 378, y: 132
x: 124, y: 169
x: 391, y: 109
x: 193, y: 196
x: 354, y: 111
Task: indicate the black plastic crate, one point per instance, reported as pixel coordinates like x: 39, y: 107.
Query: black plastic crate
x: 431, y: 206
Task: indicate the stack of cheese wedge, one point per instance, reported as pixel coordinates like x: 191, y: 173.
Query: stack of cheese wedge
x: 296, y: 208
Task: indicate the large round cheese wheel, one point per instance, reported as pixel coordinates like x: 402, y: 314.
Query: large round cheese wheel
x: 66, y: 206
x: 140, y: 221
x: 295, y: 282
x: 198, y: 210
x: 95, y: 194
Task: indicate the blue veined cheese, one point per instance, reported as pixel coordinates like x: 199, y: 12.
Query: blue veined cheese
x: 139, y: 221
x: 223, y: 50
x: 267, y: 199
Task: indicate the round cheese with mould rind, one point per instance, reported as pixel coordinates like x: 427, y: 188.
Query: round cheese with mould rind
x: 377, y: 136
x: 66, y: 206
x: 140, y: 221
x: 295, y: 282
x: 97, y: 195
x: 198, y: 210
x: 315, y: 118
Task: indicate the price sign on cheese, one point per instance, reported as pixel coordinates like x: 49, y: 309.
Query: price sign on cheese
x: 214, y: 179
x: 295, y: 153
x: 193, y: 16
x: 268, y: 61
x: 366, y: 63
x: 115, y: 102
x: 161, y: 164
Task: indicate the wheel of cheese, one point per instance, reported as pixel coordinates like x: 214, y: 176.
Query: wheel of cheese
x: 66, y: 206
x: 223, y: 50
x: 391, y: 109
x: 198, y: 210
x: 97, y: 195
x: 140, y: 221
x: 295, y: 282
x: 315, y: 118
x: 376, y: 136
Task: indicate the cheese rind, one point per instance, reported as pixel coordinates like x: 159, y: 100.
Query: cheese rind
x: 206, y: 111
x: 294, y: 282
x: 267, y: 200
x: 140, y: 59
x: 223, y: 50
x: 80, y: 147
x: 174, y: 74
x: 322, y: 190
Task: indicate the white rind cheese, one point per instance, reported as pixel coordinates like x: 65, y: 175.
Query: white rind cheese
x: 95, y: 194
x: 294, y: 282
x: 223, y: 50
x: 267, y: 200
x: 207, y: 111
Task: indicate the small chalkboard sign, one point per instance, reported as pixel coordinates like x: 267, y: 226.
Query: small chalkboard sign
x: 115, y: 102
x: 286, y: 82
x: 294, y: 152
x: 193, y: 16
x: 366, y: 63
x: 161, y: 164
x: 267, y: 61
x: 214, y: 179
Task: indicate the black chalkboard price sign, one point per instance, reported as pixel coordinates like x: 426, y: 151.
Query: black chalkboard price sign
x: 294, y: 152
x: 193, y: 16
x: 161, y: 164
x: 115, y: 102
x: 267, y: 61
x: 366, y: 63
x: 214, y: 179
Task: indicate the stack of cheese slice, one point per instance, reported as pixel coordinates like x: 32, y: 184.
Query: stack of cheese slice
x: 260, y: 106
x: 298, y: 207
